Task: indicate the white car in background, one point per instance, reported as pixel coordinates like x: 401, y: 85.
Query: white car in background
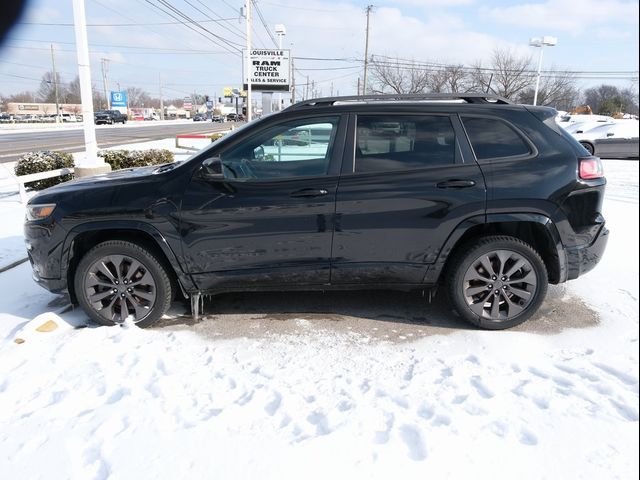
x: 616, y: 140
x: 583, y: 127
x: 568, y: 119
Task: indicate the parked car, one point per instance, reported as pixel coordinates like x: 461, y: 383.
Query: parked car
x: 217, y: 118
x: 619, y: 143
x: 488, y: 200
x: 200, y: 117
x: 626, y: 130
x: 582, y: 127
x: 570, y: 119
x: 109, y: 117
x: 232, y: 117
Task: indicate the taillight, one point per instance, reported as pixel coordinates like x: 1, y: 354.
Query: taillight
x: 590, y: 168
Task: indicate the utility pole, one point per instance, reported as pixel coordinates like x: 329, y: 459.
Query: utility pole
x: 105, y: 69
x: 55, y: 83
x: 306, y: 89
x: 358, y: 90
x: 90, y: 164
x: 161, y: 99
x: 366, y: 52
x: 248, y: 64
x: 331, y: 90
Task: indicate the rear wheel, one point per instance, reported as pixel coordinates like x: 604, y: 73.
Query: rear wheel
x: 497, y: 282
x: 588, y: 146
x: 117, y: 281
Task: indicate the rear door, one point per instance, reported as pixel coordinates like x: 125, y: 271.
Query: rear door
x: 405, y: 186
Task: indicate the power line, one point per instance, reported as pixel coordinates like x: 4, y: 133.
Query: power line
x: 47, y: 24
x: 327, y: 69
x: 177, y: 50
x: 231, y: 49
x: 264, y: 24
x: 234, y: 32
x: 193, y: 22
x: 299, y: 8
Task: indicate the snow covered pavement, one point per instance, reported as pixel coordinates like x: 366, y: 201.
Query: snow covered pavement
x: 315, y: 401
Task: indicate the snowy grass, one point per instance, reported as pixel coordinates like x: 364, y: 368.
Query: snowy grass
x: 94, y: 403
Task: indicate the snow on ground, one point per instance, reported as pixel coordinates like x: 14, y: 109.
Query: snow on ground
x: 317, y: 402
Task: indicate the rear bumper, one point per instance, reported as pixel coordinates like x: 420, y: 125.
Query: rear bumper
x: 584, y: 258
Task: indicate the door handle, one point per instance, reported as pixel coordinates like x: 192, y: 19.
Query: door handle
x: 456, y: 184
x: 309, y: 192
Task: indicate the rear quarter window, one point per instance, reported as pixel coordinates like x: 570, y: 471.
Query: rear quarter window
x: 493, y: 138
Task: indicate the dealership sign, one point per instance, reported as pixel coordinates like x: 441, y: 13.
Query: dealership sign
x: 118, y: 99
x: 269, y: 70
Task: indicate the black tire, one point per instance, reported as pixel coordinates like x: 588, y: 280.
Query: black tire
x: 101, y: 274
x: 496, y: 282
x: 588, y: 146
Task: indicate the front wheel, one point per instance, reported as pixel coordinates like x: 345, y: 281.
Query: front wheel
x: 117, y: 281
x: 497, y: 282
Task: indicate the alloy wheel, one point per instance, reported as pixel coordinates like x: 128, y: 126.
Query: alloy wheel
x: 118, y: 286
x: 499, y: 285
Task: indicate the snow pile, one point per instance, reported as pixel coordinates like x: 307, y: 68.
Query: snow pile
x: 117, y: 402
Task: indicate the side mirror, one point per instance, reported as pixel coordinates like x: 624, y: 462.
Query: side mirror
x: 211, y: 169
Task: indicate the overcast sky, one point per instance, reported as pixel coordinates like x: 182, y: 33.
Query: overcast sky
x: 593, y: 35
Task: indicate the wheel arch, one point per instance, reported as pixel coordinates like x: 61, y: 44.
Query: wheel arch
x: 84, y: 237
x: 537, y: 230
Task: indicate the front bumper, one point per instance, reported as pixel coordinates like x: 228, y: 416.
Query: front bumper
x: 44, y: 249
x: 584, y: 258
x: 54, y: 285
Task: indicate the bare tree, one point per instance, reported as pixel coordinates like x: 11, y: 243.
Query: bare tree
x: 73, y: 91
x: 22, y: 97
x: 557, y: 89
x: 46, y: 91
x: 137, y: 97
x: 608, y: 98
x: 507, y: 75
x: 452, y: 78
x: 398, y: 77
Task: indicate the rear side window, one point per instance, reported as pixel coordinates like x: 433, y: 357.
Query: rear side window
x: 403, y: 142
x: 493, y: 138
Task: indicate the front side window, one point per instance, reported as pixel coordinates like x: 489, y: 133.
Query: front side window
x: 297, y: 148
x: 403, y: 142
x: 493, y: 138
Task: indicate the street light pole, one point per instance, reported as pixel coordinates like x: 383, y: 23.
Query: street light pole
x: 248, y: 64
x: 91, y: 164
x: 540, y: 43
x: 280, y: 32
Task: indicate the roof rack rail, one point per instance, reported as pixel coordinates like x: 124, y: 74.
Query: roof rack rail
x: 467, y: 97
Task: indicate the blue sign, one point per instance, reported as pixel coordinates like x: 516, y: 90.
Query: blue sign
x: 118, y: 99
x: 209, y: 104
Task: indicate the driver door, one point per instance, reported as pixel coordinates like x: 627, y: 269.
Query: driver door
x: 268, y: 222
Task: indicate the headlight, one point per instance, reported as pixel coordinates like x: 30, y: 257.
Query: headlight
x: 40, y: 212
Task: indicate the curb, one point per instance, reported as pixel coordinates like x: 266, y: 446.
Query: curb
x: 14, y: 264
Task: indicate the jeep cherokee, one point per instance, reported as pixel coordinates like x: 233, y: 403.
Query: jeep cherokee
x: 490, y: 200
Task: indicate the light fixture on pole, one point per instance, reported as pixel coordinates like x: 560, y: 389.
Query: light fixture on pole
x: 280, y: 32
x: 540, y: 42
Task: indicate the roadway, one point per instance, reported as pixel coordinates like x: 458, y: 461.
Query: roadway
x: 14, y: 144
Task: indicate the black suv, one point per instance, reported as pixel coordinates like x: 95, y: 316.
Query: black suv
x: 109, y: 117
x: 488, y: 199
